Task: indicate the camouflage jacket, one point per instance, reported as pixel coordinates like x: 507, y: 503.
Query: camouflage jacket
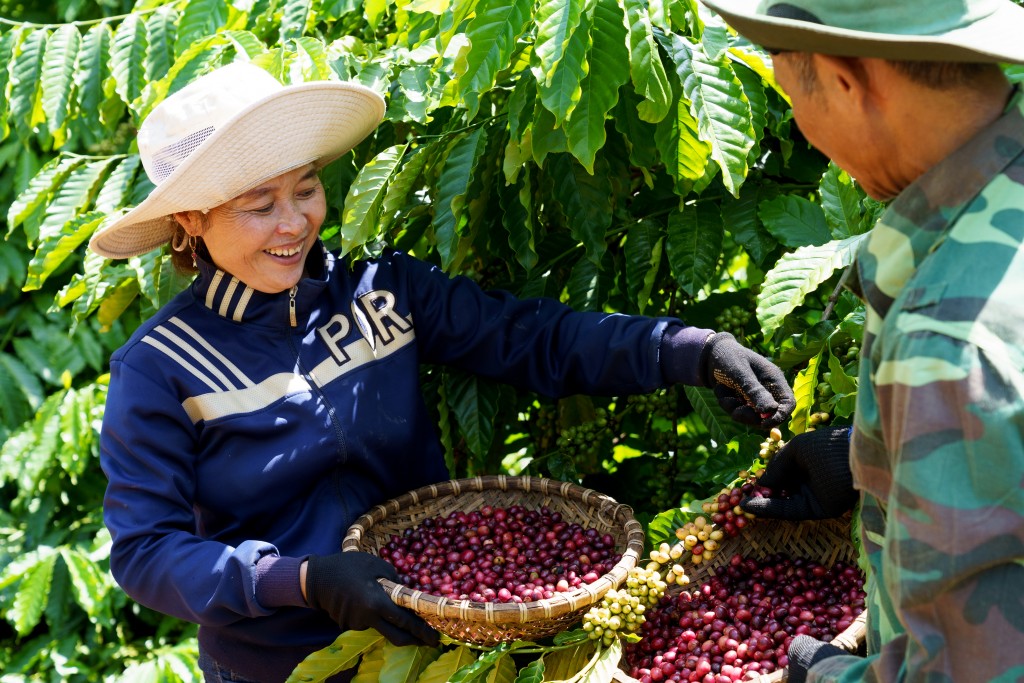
x: 938, y: 440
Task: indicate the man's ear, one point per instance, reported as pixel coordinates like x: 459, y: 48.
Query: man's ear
x: 850, y: 78
x: 192, y: 222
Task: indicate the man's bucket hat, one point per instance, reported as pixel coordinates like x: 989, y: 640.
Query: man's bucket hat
x: 227, y: 132
x: 916, y: 30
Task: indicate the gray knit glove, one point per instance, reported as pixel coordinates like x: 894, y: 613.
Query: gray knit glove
x: 805, y: 652
x: 747, y: 385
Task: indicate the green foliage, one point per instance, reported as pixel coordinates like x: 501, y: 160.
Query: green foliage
x: 620, y: 156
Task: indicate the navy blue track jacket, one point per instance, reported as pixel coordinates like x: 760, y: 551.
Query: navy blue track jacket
x: 242, y: 426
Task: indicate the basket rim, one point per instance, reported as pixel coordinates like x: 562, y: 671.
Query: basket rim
x: 560, y: 604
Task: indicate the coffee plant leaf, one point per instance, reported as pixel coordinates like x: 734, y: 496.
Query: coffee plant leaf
x: 474, y: 400
x: 504, y: 671
x: 794, y: 221
x: 798, y: 274
x: 91, y: 583
x: 39, y: 191
x: 841, y: 200
x: 644, y: 242
x: 719, y: 105
x: 92, y: 67
x: 294, y: 16
x: 608, y: 70
x: 662, y: 526
x: 532, y: 672
x: 161, y: 27
x: 739, y: 217
x: 589, y: 286
x: 803, y: 390
x: 361, y: 215
x: 53, y: 250
x: 25, y: 108
x: 694, y: 243
x: 201, y: 18
x: 450, y: 217
x: 128, y: 58
x: 477, y: 670
x: 560, y: 92
x: 444, y: 667
x: 493, y: 33
x: 605, y: 664
x: 516, y: 200
x: 8, y: 44
x: 370, y: 665
x: 557, y: 21
x: 585, y: 200
x: 341, y: 655
x: 645, y: 68
x: 58, y: 77
x: 753, y: 89
x: 405, y: 663
x: 26, y: 609
x: 21, y: 393
x: 565, y: 664
x: 678, y: 141
x: 719, y: 424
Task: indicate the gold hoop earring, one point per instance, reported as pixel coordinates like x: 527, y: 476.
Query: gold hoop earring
x: 179, y: 241
x: 192, y: 246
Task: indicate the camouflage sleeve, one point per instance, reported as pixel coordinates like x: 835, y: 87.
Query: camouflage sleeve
x: 952, y: 549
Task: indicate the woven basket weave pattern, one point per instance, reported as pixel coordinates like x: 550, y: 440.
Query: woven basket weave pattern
x: 492, y: 623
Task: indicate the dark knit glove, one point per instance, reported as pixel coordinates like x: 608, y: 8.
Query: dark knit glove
x: 815, y: 468
x: 345, y: 586
x: 805, y: 652
x: 748, y: 386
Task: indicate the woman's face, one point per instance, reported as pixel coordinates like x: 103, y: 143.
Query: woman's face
x: 263, y: 236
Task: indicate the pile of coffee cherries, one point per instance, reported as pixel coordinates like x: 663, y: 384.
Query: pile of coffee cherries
x: 499, y: 555
x: 622, y: 610
x: 739, y: 624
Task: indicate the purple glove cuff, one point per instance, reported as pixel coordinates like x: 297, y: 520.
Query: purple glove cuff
x: 277, y: 581
x: 681, y: 349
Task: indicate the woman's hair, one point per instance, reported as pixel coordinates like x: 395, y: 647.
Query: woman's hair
x: 182, y: 260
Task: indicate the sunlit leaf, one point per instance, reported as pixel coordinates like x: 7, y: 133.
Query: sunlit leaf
x: 294, y: 17
x: 841, y: 202
x: 556, y: 22
x: 38, y: 191
x: 370, y: 665
x: 484, y: 662
x: 798, y: 273
x: 405, y: 663
x: 54, y: 249
x: 444, y: 667
x: 89, y: 581
x: 608, y: 69
x: 58, y: 75
x: 128, y: 58
x: 803, y: 390
x: 645, y: 67
x: 92, y: 69
x: 26, y: 73
x: 199, y: 20
x: 361, y: 213
x: 339, y: 656
x: 450, y: 217
x: 160, y: 29
x: 493, y: 33
x: 32, y: 596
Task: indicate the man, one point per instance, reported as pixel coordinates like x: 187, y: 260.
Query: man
x: 908, y: 97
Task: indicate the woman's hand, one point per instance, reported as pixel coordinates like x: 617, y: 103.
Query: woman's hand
x: 345, y: 586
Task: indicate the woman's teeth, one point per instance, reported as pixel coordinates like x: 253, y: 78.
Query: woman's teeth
x: 284, y: 252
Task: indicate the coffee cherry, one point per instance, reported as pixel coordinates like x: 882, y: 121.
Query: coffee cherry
x: 740, y: 622
x: 499, y: 555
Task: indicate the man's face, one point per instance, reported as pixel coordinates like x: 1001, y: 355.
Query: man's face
x: 840, y: 131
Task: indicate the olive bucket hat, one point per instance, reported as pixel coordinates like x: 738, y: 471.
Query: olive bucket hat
x: 919, y: 30
x: 227, y: 132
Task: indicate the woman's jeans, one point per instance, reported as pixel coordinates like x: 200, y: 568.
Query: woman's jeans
x: 215, y: 673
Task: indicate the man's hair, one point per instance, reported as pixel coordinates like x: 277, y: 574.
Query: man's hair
x: 934, y: 75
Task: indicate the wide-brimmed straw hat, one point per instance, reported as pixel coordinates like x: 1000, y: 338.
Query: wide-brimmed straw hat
x: 227, y: 132
x: 920, y: 30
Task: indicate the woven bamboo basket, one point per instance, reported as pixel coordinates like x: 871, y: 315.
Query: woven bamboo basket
x: 827, y: 542
x: 492, y: 623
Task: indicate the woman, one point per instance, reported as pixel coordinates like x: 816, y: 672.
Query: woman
x: 261, y: 411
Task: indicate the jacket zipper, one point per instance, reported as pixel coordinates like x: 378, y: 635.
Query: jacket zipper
x: 291, y: 306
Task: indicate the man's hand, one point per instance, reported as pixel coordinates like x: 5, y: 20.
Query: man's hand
x: 748, y: 386
x: 345, y: 586
x: 814, y: 467
x: 805, y: 652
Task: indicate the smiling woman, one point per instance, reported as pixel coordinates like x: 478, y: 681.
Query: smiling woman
x: 254, y: 417
x: 263, y: 236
